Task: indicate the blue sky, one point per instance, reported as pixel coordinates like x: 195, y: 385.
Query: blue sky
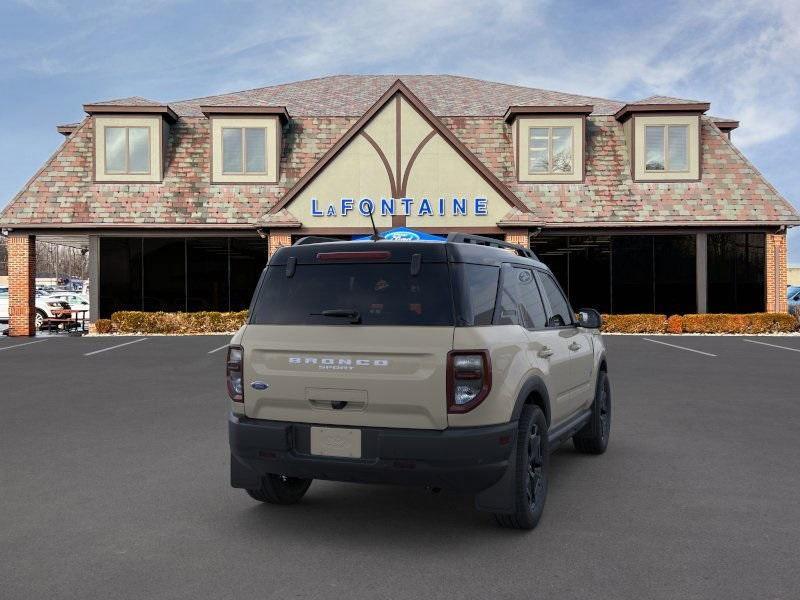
x: 56, y: 55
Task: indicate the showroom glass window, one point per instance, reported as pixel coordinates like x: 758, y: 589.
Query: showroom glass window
x: 244, y: 150
x: 666, y: 148
x: 550, y: 150
x: 736, y: 272
x: 178, y: 274
x: 127, y: 150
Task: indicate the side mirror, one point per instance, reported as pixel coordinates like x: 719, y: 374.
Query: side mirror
x: 589, y: 318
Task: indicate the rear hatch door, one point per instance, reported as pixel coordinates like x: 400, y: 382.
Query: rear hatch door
x: 358, y: 339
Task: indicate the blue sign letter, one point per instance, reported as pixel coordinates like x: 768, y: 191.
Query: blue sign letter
x: 347, y: 206
x: 459, y: 206
x: 387, y: 206
x: 480, y: 207
x: 366, y: 207
x: 315, y: 211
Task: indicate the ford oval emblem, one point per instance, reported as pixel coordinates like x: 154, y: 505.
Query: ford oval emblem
x: 259, y: 385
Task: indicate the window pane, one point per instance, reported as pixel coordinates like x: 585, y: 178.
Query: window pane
x: 477, y: 285
x: 654, y: 148
x: 532, y: 306
x: 678, y: 140
x: 138, y: 149
x: 231, y: 150
x: 255, y: 139
x: 115, y: 149
x: 632, y: 274
x: 589, y: 272
x: 562, y: 149
x: 164, y: 274
x: 248, y: 259
x: 207, y: 273
x: 538, y: 150
x: 736, y: 272
x: 120, y: 266
x: 382, y: 294
x: 674, y: 272
x: 558, y: 303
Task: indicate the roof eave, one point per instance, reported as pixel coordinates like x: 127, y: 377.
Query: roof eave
x: 131, y: 109
x: 630, y: 109
x: 279, y: 111
x: 576, y: 109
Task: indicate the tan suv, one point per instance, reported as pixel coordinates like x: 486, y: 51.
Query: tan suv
x: 456, y: 365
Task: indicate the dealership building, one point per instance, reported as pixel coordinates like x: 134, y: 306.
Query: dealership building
x: 640, y: 206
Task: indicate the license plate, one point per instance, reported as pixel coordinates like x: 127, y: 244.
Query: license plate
x: 336, y: 441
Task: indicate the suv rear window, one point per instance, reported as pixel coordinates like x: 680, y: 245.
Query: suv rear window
x: 381, y: 294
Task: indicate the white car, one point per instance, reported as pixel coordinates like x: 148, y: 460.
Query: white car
x: 75, y: 300
x: 46, y: 307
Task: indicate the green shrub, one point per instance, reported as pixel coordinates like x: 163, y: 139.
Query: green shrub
x: 163, y: 322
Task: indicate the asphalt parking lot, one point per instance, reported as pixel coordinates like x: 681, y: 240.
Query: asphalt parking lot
x: 114, y: 474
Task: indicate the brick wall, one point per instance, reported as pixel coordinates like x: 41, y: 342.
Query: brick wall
x: 519, y: 237
x: 776, y: 273
x: 21, y: 284
x: 278, y: 239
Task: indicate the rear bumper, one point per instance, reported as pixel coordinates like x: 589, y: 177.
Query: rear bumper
x: 466, y: 459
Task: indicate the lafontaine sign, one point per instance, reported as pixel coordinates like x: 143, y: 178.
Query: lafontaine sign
x: 422, y: 207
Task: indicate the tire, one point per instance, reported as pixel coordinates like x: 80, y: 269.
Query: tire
x: 532, y: 463
x: 593, y: 438
x: 280, y: 489
x: 39, y: 318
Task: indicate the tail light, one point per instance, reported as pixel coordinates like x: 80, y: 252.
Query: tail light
x: 469, y: 379
x: 233, y: 372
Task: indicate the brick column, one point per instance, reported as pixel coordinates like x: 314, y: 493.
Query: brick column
x: 775, y: 272
x: 21, y: 284
x: 278, y: 239
x: 520, y: 237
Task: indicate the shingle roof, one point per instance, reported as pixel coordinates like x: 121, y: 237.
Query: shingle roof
x: 352, y: 95
x: 130, y: 101
x: 666, y: 100
x: 63, y: 193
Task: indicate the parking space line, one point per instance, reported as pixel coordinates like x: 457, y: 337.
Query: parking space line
x: 114, y: 347
x: 218, y: 349
x: 20, y: 345
x: 772, y: 345
x: 680, y: 347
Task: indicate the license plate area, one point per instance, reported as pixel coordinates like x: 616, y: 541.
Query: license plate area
x: 336, y: 441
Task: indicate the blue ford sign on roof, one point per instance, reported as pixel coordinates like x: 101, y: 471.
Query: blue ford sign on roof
x: 402, y: 234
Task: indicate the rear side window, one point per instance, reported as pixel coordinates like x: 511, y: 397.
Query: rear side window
x: 476, y: 292
x: 381, y: 294
x: 520, y: 300
x: 561, y: 312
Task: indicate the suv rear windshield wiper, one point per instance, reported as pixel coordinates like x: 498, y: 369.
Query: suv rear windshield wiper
x: 343, y: 313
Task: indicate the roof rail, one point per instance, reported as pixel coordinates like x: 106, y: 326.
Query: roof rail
x: 466, y: 238
x: 314, y: 239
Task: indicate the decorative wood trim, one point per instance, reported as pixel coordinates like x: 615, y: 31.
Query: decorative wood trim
x: 384, y: 160
x: 399, y: 87
x: 412, y: 158
x: 131, y: 109
x: 630, y: 109
x: 279, y: 111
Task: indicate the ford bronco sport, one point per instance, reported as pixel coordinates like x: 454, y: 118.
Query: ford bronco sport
x: 456, y: 365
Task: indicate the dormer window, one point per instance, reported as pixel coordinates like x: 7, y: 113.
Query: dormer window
x: 245, y: 143
x: 244, y: 150
x: 127, y: 150
x: 548, y: 142
x: 130, y: 140
x: 666, y: 148
x: 550, y: 150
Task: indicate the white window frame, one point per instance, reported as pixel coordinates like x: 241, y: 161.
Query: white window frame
x: 550, y: 129
x: 127, y: 129
x: 665, y: 148
x: 243, y: 129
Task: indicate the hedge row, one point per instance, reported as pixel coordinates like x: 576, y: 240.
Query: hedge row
x: 708, y: 323
x: 223, y: 322
x: 163, y: 322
